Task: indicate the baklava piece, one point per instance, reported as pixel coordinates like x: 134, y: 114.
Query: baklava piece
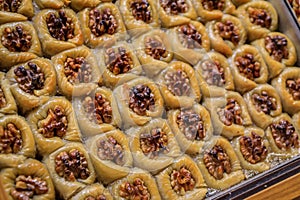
x: 229, y: 114
x: 182, y: 180
x: 214, y: 75
x: 278, y: 52
x: 19, y: 43
x: 71, y: 169
x: 97, y: 112
x: 154, y: 51
x: 259, y: 18
x: 263, y: 104
x: 178, y: 85
x: 58, y: 30
x: 15, y: 11
x: 248, y: 68
x: 7, y: 101
x: 252, y: 149
x: 102, y: 26
x: 139, y: 100
x: 53, y: 124
x: 110, y: 155
x: 32, y: 83
x: 192, y: 127
x: 29, y: 180
x: 81, y: 4
x: 219, y: 164
x: 226, y: 34
x: 54, y: 4
x: 77, y: 71
x: 93, y: 192
x: 295, y: 4
x: 16, y: 141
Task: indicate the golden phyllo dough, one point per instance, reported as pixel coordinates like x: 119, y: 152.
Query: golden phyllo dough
x: 55, y: 4
x: 94, y: 191
x: 15, y: 11
x: 7, y: 101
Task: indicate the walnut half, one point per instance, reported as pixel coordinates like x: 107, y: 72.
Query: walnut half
x: 135, y: 190
x: 182, y: 181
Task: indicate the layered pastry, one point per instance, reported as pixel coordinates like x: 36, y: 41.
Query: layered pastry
x: 263, y: 104
x: 296, y: 121
x: 248, y: 68
x: 190, y: 42
x: 77, y: 71
x: 110, y: 155
x: 229, y: 114
x: 153, y: 146
x: 252, y: 149
x: 16, y: 141
x: 239, y: 2
x: 192, y: 127
x: 277, y: 50
x: 178, y: 85
x: 226, y: 34
x: 71, y: 169
x: 154, y: 51
x: 287, y: 85
x: 58, y: 29
x: 214, y: 75
x: 53, y: 124
x: 139, y: 100
x: 296, y: 8
x: 29, y: 180
x: 175, y: 12
x: 54, y: 4
x: 93, y: 192
x: 98, y: 112
x: 182, y: 180
x: 19, y: 43
x: 7, y: 101
x: 259, y: 18
x: 81, y: 4
x: 219, y: 164
x: 32, y: 83
x: 15, y: 11
x: 102, y: 26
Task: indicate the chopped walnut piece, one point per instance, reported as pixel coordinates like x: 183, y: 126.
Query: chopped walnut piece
x: 253, y: 148
x: 118, y: 62
x: 228, y: 31
x: 77, y: 70
x: 102, y: 22
x: 110, y: 149
x: 10, y: 139
x: 260, y: 17
x: 211, y: 5
x: 217, y: 162
x: 55, y: 124
x: 213, y: 73
x: 231, y: 113
x: 30, y: 78
x: 154, y: 142
x: 284, y: 134
x: 10, y: 5
x: 247, y: 66
x: 296, y: 7
x: 182, y: 181
x: 191, y: 125
x: 72, y: 165
x: 276, y: 46
x: 2, y: 99
x: 264, y: 103
x: 174, y: 7
x: 98, y: 197
x: 293, y: 86
x: 141, y: 99
x: 178, y: 83
x: 135, y: 190
x: 189, y: 36
x: 16, y: 39
x: 141, y: 10
x: 155, y: 48
x: 26, y: 187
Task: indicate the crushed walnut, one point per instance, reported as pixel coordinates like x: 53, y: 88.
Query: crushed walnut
x: 293, y: 86
x: 110, y: 149
x: 118, y: 61
x: 248, y: 66
x: 77, y: 70
x: 182, y: 181
x: 174, y: 7
x: 135, y: 190
x: 228, y: 31
x: 231, y: 113
x: 264, y: 103
x: 260, y: 17
x: 141, y: 10
x: 10, y: 5
x: 178, y: 83
x: 10, y: 139
x: 213, y: 73
x: 98, y: 197
x: 211, y: 5
x: 155, y: 48
x: 277, y: 47
x: 2, y: 99
x: 189, y: 36
x: 217, y: 162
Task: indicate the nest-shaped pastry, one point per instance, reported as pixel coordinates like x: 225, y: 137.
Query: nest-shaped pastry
x: 77, y: 71
x: 53, y: 124
x: 226, y: 34
x: 29, y: 180
x: 15, y: 12
x: 97, y: 112
x: 58, y: 29
x: 153, y: 146
x: 154, y: 51
x: 278, y: 52
x: 7, y: 101
x: 263, y: 104
x: 94, y: 191
x: 71, y: 169
x: 248, y: 68
x: 214, y: 75
x: 32, y: 83
x: 192, y: 127
x: 54, y: 4
x: 219, y: 164
x: 182, y: 180
x: 139, y: 100
x: 259, y: 18
x: 92, y: 22
x: 19, y: 43
x: 110, y: 155
x: 16, y: 141
x: 190, y: 42
x: 178, y: 85
x: 252, y: 149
